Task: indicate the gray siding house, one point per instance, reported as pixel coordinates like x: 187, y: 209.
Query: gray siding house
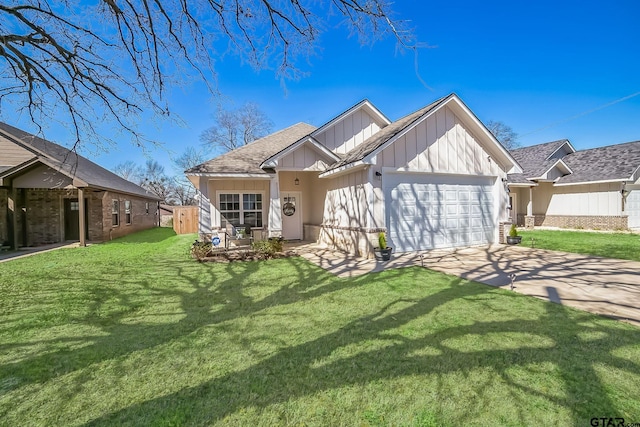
x: 592, y: 189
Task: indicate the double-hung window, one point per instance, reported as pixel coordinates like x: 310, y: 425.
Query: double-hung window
x: 241, y: 208
x: 115, y: 212
x: 252, y: 209
x: 127, y: 212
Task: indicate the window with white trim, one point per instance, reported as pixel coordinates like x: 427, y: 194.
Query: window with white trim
x: 241, y: 208
x: 127, y: 212
x: 115, y: 212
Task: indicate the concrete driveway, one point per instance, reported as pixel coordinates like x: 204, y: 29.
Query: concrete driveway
x: 600, y: 285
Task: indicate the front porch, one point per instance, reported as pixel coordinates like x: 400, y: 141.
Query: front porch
x: 588, y: 206
x: 296, y: 205
x: 33, y: 217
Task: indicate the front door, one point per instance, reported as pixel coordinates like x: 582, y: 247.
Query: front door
x: 291, y: 215
x: 72, y: 219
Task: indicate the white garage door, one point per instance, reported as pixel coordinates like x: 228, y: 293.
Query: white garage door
x: 425, y: 211
x: 633, y: 209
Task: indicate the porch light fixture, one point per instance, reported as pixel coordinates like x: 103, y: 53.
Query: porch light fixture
x: 624, y: 190
x: 296, y: 181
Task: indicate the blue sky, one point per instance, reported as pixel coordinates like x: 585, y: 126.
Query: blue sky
x: 532, y: 65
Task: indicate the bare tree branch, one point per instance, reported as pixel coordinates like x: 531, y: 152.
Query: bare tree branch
x: 235, y: 128
x: 83, y: 63
x: 504, y: 133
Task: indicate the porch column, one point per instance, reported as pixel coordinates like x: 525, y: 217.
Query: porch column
x: 81, y: 221
x: 529, y: 221
x: 275, y: 210
x: 204, y: 213
x: 13, y: 207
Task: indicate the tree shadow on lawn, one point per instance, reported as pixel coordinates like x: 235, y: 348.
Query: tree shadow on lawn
x: 308, y: 368
x: 296, y: 370
x: 203, y: 290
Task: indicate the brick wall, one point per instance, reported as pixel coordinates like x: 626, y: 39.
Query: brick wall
x: 140, y: 218
x: 45, y: 215
x: 587, y: 222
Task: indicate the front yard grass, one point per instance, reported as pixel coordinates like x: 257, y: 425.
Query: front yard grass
x: 608, y: 245
x: 134, y: 332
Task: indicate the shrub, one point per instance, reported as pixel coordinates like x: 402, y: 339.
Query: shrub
x: 268, y: 248
x: 199, y: 250
x: 513, y: 232
x: 382, y: 240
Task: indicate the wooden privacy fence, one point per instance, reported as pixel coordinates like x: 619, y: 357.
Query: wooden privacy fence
x: 185, y: 219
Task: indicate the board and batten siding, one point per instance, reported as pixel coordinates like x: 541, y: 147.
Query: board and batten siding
x: 346, y: 202
x: 303, y: 158
x: 579, y: 200
x: 12, y: 154
x: 439, y: 144
x: 349, y: 132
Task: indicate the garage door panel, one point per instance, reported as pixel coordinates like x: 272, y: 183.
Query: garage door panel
x: 431, y: 212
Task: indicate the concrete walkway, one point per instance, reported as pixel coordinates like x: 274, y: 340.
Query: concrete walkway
x: 604, y: 286
x: 25, y: 252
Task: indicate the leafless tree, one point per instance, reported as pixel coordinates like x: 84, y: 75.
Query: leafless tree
x: 504, y: 133
x: 128, y: 170
x: 184, y: 191
x: 156, y: 181
x: 235, y: 128
x: 82, y: 63
x: 184, y: 194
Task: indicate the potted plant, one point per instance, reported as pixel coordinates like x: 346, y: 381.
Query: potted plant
x: 385, y: 251
x: 513, y: 238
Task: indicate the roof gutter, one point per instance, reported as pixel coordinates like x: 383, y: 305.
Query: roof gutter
x: 604, y: 181
x: 230, y: 175
x: 348, y: 168
x: 523, y: 185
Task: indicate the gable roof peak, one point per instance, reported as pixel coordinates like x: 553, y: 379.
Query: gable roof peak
x: 248, y: 158
x: 372, y: 110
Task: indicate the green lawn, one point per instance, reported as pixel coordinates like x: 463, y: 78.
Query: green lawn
x: 134, y: 332
x: 609, y: 245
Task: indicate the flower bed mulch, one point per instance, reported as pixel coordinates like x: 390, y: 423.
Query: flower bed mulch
x: 244, y: 255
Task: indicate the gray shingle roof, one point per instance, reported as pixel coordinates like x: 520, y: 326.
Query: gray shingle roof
x: 248, y: 158
x: 72, y: 164
x: 518, y: 178
x: 612, y: 162
x: 534, y: 159
x: 384, y: 135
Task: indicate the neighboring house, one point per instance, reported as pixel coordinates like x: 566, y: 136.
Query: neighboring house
x: 166, y: 215
x: 50, y: 194
x: 433, y: 179
x: 561, y: 187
